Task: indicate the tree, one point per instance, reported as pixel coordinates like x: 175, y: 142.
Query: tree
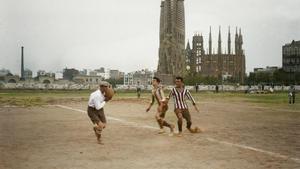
x: 115, y: 82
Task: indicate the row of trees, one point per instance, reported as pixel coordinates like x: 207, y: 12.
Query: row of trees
x: 278, y: 77
x: 114, y: 82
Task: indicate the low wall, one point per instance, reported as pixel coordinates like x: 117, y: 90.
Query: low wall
x: 73, y: 86
x: 52, y: 86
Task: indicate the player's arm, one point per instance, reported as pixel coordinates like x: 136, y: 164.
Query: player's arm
x: 99, y: 103
x: 169, y: 96
x: 151, y: 104
x: 163, y: 99
x: 106, y: 99
x: 191, y: 98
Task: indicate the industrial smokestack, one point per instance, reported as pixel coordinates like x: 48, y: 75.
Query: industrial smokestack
x: 22, y: 63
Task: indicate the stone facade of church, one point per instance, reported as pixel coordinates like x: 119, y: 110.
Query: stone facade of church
x: 221, y: 63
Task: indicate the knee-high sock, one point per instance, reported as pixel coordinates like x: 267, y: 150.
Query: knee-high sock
x: 179, y: 122
x: 166, y: 124
x: 160, y: 123
x: 188, y: 124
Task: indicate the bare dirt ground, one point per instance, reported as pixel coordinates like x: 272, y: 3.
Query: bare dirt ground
x: 236, y: 136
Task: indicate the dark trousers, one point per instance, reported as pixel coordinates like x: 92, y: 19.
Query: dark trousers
x: 96, y: 115
x: 183, y: 114
x: 292, y: 99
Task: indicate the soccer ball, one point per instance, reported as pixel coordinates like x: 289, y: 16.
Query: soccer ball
x: 109, y: 93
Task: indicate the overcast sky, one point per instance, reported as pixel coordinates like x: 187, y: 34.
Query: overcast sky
x: 123, y: 35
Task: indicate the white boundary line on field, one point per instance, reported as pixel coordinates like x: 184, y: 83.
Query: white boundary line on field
x: 297, y: 160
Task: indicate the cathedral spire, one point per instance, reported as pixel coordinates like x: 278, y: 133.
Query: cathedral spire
x: 188, y: 46
x: 229, y: 41
x: 241, y: 41
x: 241, y: 37
x: 210, y: 42
x: 219, y: 42
x: 236, y: 41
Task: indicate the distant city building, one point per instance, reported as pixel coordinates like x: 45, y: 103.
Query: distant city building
x: 44, y: 73
x: 128, y: 79
x: 59, y: 75
x: 101, y: 70
x: 142, y: 77
x: 45, y: 77
x: 83, y: 72
x: 116, y: 74
x: 4, y: 72
x: 268, y: 69
x: 93, y: 73
x: 217, y: 64
x: 105, y: 73
x: 12, y: 79
x: 87, y: 79
x: 8, y: 77
x: 27, y: 74
x: 69, y: 74
x: 291, y: 57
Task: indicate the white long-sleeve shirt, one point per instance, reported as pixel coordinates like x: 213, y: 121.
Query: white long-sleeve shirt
x: 96, y: 100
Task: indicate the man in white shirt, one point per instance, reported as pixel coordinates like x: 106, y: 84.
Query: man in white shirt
x: 95, y: 109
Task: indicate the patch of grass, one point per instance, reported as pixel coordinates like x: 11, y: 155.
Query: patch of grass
x: 268, y: 98
x: 43, y: 97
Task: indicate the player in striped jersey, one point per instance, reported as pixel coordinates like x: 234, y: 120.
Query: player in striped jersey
x: 180, y: 94
x: 158, y: 95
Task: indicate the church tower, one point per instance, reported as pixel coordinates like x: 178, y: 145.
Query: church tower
x: 241, y: 42
x: 210, y: 42
x: 189, y: 55
x: 172, y: 55
x: 219, y: 42
x: 237, y: 45
x: 229, y: 41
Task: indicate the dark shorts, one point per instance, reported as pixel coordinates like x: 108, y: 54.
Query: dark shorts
x: 96, y: 115
x: 185, y: 113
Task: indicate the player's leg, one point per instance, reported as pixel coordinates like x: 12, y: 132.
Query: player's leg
x: 164, y: 109
x: 102, y: 122
x: 187, y: 116
x: 102, y: 118
x: 159, y: 120
x: 179, y: 116
x: 93, y: 114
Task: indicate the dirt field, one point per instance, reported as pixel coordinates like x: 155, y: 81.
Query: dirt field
x: 237, y: 135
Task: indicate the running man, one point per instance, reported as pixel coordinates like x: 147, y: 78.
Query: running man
x: 158, y: 95
x: 95, y: 110
x: 180, y: 93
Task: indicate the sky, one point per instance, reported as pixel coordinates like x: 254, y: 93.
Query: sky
x: 124, y: 35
